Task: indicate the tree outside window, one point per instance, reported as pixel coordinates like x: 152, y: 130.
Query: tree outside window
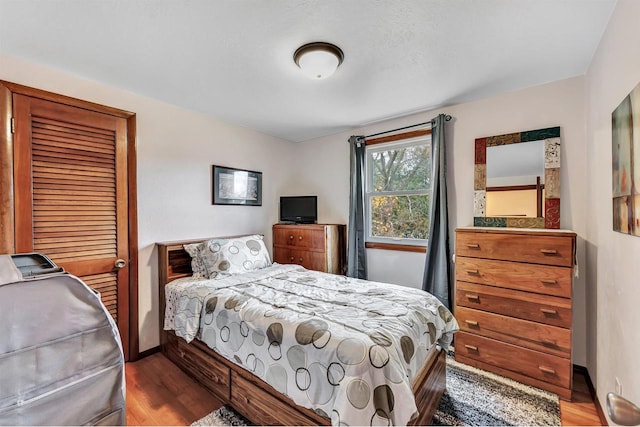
x: 398, y: 191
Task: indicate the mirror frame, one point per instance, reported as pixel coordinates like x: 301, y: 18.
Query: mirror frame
x: 551, y: 219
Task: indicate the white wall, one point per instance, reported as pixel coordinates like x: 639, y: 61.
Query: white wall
x: 323, y: 169
x: 613, y: 258
x: 176, y: 149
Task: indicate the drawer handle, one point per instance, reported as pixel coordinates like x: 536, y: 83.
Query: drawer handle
x: 471, y: 297
x: 471, y: 347
x: 549, y: 311
x: 547, y: 370
x: 292, y: 259
x: 473, y: 246
x: 291, y: 237
x: 245, y: 399
x: 300, y: 237
x: 549, y: 251
x: 472, y: 323
x: 300, y: 259
x: 211, y: 376
x: 549, y: 343
x: 473, y: 272
x: 549, y: 282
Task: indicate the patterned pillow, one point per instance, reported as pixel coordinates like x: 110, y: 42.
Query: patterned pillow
x: 235, y: 255
x: 197, y: 266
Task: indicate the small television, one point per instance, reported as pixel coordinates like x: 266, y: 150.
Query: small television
x: 299, y: 209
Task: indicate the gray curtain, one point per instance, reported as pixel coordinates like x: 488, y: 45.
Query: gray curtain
x: 436, y: 279
x: 356, y: 252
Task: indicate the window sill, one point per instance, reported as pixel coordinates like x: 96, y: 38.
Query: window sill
x: 395, y: 247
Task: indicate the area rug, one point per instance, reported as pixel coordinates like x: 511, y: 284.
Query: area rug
x: 479, y: 398
x: 473, y: 398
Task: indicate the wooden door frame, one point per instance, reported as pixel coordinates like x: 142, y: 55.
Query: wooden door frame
x: 7, y: 218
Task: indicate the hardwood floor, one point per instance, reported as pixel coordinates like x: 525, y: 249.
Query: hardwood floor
x: 159, y: 393
x: 581, y: 411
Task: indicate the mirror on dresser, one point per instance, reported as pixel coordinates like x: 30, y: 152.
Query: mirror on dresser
x: 517, y: 180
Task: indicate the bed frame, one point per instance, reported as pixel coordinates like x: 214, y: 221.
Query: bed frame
x: 247, y: 394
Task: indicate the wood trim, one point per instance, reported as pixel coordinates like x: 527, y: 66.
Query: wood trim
x: 599, y: 410
x: 398, y: 136
x: 592, y: 391
x: 66, y: 100
x: 7, y: 220
x: 132, y: 181
x: 514, y: 187
x: 148, y: 352
x: 395, y: 247
x: 22, y: 201
x: 539, y: 188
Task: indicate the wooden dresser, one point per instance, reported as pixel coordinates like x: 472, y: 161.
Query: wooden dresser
x: 513, y: 304
x: 318, y: 247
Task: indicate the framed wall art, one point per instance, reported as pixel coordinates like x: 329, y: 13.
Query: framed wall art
x: 625, y: 129
x: 233, y: 186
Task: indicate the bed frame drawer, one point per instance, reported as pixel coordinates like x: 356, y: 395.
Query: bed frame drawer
x: 536, y: 278
x: 547, y: 250
x: 532, y: 335
x: 522, y: 305
x: 255, y: 403
x: 528, y: 363
x: 196, y: 362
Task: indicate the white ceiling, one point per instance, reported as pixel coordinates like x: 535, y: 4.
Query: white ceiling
x: 232, y: 59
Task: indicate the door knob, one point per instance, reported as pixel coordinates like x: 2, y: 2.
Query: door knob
x: 120, y: 263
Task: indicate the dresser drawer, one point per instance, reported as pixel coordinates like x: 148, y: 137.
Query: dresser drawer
x: 534, y: 364
x: 308, y: 259
x: 543, y: 279
x: 537, y: 249
x: 299, y: 237
x: 523, y: 305
x: 524, y: 333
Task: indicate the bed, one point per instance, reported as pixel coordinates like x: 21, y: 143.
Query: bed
x: 273, y: 327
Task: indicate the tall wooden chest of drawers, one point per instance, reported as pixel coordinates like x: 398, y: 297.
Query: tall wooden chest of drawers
x: 513, y: 303
x: 318, y: 247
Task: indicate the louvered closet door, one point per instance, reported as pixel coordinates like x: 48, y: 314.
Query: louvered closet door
x: 71, y: 195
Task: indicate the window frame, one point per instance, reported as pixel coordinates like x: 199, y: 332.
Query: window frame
x: 407, y: 139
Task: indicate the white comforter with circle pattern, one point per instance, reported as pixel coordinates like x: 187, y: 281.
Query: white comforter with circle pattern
x: 347, y: 348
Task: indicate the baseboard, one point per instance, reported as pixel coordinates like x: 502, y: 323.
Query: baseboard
x: 148, y: 352
x: 592, y: 391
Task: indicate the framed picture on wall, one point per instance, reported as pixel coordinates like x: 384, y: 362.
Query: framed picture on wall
x: 233, y: 186
x: 626, y: 164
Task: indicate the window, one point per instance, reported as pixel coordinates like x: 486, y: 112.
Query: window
x: 398, y: 189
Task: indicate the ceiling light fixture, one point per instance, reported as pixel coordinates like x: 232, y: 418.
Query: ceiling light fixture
x: 318, y: 60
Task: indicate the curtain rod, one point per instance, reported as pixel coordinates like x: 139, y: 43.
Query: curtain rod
x: 447, y: 118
